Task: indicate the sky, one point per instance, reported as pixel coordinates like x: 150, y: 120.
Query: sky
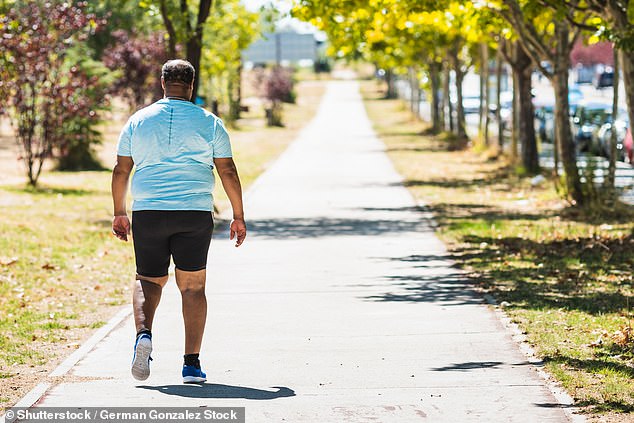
x: 283, y: 6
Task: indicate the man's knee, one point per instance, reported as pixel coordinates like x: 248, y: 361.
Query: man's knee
x: 191, y: 283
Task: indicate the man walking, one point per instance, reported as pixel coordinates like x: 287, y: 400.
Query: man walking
x: 174, y: 145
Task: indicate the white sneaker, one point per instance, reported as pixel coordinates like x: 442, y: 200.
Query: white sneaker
x: 141, y: 360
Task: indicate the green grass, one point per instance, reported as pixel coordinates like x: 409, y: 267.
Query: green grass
x: 566, y: 276
x: 60, y: 265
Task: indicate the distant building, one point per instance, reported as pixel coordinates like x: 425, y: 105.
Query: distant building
x: 282, y: 47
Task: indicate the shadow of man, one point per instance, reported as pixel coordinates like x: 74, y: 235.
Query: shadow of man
x: 213, y: 390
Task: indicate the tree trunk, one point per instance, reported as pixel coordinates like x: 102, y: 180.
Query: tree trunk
x: 487, y: 119
x: 412, y: 91
x: 515, y: 117
x: 239, y: 90
x: 169, y: 27
x: 526, y: 112
x: 195, y: 42
x: 461, y: 125
x: 391, y: 87
x: 498, y: 109
x: 530, y: 159
x: 565, y: 142
x: 416, y: 93
x: 484, y: 81
x: 609, y: 181
x: 627, y: 70
x: 434, y: 76
x: 194, y: 48
x: 234, y: 109
x: 447, y: 106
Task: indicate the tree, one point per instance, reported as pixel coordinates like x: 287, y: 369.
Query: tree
x: 275, y: 86
x: 523, y: 110
x: 136, y: 59
x: 45, y: 87
x: 230, y: 30
x: 120, y: 16
x: 185, y: 23
x: 612, y: 20
x: 86, y: 97
x: 547, y: 37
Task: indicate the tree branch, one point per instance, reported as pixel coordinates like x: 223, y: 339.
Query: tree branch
x: 528, y: 34
x: 529, y: 38
x: 185, y: 13
x: 169, y: 26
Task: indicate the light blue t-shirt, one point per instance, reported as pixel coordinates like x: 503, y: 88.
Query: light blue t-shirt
x: 173, y: 144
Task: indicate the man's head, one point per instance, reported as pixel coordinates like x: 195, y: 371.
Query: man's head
x: 177, y: 78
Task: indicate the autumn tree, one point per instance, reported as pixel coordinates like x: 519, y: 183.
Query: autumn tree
x: 136, y: 58
x: 523, y: 109
x: 614, y: 21
x: 230, y: 29
x: 610, y: 19
x: 547, y: 37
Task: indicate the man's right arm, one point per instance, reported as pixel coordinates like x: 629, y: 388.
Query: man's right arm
x: 120, y: 179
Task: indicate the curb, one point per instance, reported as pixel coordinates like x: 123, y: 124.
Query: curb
x: 563, y: 398
x: 33, y: 396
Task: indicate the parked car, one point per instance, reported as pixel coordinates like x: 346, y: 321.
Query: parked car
x: 587, y: 119
x: 545, y: 113
x: 604, y: 78
x: 602, y: 138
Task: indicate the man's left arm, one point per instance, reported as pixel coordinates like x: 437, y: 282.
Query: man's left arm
x: 228, y: 174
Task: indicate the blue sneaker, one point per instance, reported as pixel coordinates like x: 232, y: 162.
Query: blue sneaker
x: 193, y: 374
x: 141, y: 360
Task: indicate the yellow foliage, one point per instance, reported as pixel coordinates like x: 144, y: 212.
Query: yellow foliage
x: 374, y: 36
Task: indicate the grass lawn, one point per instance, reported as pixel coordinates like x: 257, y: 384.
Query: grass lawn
x: 564, y: 278
x: 61, y: 271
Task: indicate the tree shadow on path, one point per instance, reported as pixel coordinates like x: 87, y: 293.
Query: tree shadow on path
x: 214, y: 390
x: 447, y: 289
x: 320, y: 227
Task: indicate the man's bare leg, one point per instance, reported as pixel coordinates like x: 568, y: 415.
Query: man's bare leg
x: 192, y: 287
x: 145, y: 300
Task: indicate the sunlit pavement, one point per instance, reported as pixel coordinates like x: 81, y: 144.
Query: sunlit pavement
x: 341, y: 306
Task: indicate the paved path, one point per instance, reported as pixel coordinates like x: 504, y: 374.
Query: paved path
x: 340, y: 307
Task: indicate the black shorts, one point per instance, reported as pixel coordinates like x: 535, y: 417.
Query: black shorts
x: 160, y: 234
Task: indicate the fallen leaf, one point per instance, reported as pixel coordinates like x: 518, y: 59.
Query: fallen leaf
x: 8, y: 261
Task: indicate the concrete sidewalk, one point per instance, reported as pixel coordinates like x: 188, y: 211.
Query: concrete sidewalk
x: 340, y: 307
